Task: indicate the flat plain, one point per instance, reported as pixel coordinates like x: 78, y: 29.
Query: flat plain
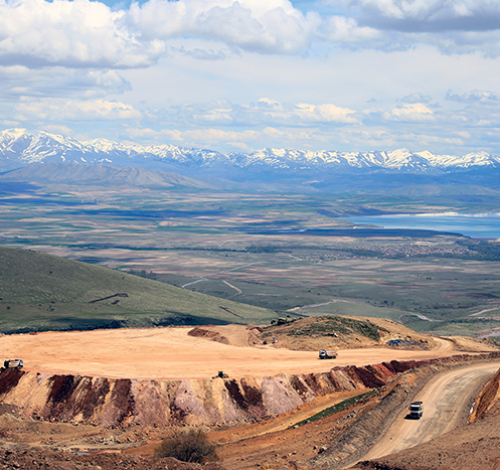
x: 288, y: 253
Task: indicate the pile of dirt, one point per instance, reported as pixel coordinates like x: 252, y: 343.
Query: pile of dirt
x: 208, y: 334
x: 342, y: 332
x: 116, y: 414
x: 235, y: 335
x: 281, y: 443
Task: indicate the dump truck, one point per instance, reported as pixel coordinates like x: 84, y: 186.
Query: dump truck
x: 12, y: 364
x: 416, y: 410
x: 324, y: 354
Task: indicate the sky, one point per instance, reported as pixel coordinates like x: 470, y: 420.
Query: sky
x: 236, y: 76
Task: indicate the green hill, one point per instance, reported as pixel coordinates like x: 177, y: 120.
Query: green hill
x: 43, y: 292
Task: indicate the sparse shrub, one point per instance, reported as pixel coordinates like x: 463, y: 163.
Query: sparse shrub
x: 192, y: 446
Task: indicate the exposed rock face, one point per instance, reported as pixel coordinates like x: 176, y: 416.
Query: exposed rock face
x: 112, y: 402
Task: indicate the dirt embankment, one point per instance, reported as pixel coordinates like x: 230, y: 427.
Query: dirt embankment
x: 487, y: 399
x: 112, y: 402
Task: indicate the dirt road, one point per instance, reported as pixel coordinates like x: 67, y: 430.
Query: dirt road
x: 446, y: 399
x: 443, y: 344
x: 170, y: 353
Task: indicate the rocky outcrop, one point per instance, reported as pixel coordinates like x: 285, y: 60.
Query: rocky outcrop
x: 113, y: 402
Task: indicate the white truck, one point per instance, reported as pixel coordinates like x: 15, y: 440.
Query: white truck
x: 12, y: 364
x: 324, y: 354
x: 416, y: 410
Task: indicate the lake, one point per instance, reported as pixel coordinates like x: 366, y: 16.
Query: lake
x: 475, y: 225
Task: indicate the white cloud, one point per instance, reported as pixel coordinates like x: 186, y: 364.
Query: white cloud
x: 453, y: 26
x: 430, y: 15
x: 199, y: 135
x: 8, y: 123
x: 74, y: 110
x: 84, y: 33
x: 265, y: 112
x: 76, y: 63
x: 416, y: 98
x: 80, y: 33
x: 204, y: 54
x: 59, y: 130
x: 431, y: 140
x: 347, y: 30
x: 410, y: 112
x: 245, y: 139
x: 266, y: 26
x: 475, y: 97
x: 327, y: 113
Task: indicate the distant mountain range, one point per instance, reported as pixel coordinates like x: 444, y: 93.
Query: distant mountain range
x: 266, y: 168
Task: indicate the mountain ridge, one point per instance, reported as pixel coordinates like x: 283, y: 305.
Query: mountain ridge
x: 19, y: 146
x: 271, y: 169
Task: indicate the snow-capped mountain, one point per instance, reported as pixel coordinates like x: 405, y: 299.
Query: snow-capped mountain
x: 19, y: 148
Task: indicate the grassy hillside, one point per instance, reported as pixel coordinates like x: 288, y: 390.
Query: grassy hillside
x: 45, y: 292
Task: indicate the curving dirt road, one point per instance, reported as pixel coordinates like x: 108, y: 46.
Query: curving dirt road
x: 446, y: 398
x: 443, y: 344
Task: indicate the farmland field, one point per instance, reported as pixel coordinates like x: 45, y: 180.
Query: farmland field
x: 293, y: 254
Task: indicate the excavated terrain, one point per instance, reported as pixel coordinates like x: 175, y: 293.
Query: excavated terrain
x: 80, y: 420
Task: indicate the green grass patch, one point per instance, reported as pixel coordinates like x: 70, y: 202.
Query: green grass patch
x: 336, y: 408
